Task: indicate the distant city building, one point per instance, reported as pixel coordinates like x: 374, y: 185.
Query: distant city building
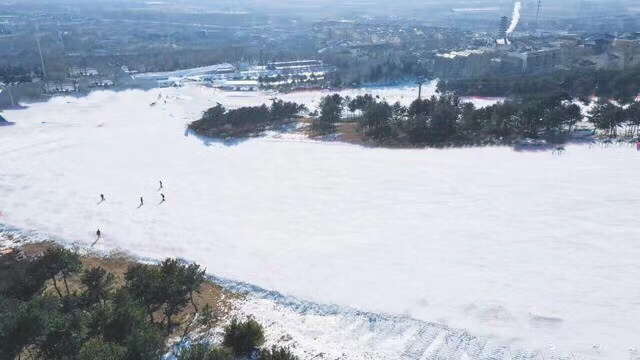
x: 542, y: 60
x: 290, y: 65
x: 76, y: 71
x: 240, y: 85
x: 205, y: 71
x: 102, y: 83
x: 4, y: 29
x: 463, y: 64
x: 56, y: 88
x: 290, y: 74
x: 625, y: 53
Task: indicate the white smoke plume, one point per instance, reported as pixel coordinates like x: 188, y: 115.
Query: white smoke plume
x: 515, y: 17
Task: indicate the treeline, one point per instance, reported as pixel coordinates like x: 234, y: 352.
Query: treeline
x: 448, y: 121
x: 615, y: 120
x: 52, y: 307
x: 245, y: 121
x: 17, y: 73
x: 622, y: 85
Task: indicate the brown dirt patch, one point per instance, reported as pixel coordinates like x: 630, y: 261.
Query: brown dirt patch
x: 350, y: 133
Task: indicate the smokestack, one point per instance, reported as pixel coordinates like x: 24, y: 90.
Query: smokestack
x: 515, y: 18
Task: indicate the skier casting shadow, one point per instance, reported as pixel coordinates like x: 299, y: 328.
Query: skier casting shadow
x: 141, y: 202
x: 558, y: 150
x: 102, y: 199
x: 98, y: 237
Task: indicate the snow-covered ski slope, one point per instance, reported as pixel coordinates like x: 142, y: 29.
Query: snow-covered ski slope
x: 535, y: 251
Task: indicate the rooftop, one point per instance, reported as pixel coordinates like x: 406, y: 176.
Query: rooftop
x: 463, y: 53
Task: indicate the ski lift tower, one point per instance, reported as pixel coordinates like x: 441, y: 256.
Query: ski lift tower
x: 538, y: 13
x: 420, y: 82
x: 44, y: 70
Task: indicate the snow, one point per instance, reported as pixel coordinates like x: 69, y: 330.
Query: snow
x: 528, y: 251
x: 313, y: 330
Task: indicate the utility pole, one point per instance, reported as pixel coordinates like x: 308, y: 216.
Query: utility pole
x: 13, y: 104
x: 44, y: 71
x: 8, y: 88
x: 420, y: 82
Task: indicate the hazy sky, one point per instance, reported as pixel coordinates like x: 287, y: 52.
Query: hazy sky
x: 328, y: 8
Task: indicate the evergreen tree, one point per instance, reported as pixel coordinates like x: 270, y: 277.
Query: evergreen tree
x: 330, y: 113
x: 179, y: 282
x: 58, y: 260
x: 144, y: 283
x: 444, y: 118
x: 205, y: 352
x: 632, y: 116
x: 606, y: 116
x: 277, y: 353
x: 99, y: 285
x: 96, y: 349
x: 65, y: 329
x: 376, y: 120
x: 243, y: 337
x: 469, y: 122
x: 572, y: 115
x: 168, y: 286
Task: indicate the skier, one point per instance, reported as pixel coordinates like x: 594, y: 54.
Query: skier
x: 161, y: 184
x: 162, y: 197
x: 102, y: 197
x: 141, y: 201
x: 98, y: 234
x: 558, y: 150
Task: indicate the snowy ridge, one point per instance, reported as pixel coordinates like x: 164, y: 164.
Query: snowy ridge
x: 328, y: 331
x: 347, y: 333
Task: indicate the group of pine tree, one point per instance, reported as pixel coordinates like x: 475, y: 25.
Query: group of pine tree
x: 445, y: 120
x: 245, y: 121
x: 54, y: 308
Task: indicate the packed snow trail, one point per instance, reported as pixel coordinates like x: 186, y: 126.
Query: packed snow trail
x: 534, y: 250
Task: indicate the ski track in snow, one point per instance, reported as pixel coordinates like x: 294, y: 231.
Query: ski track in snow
x: 535, y: 255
